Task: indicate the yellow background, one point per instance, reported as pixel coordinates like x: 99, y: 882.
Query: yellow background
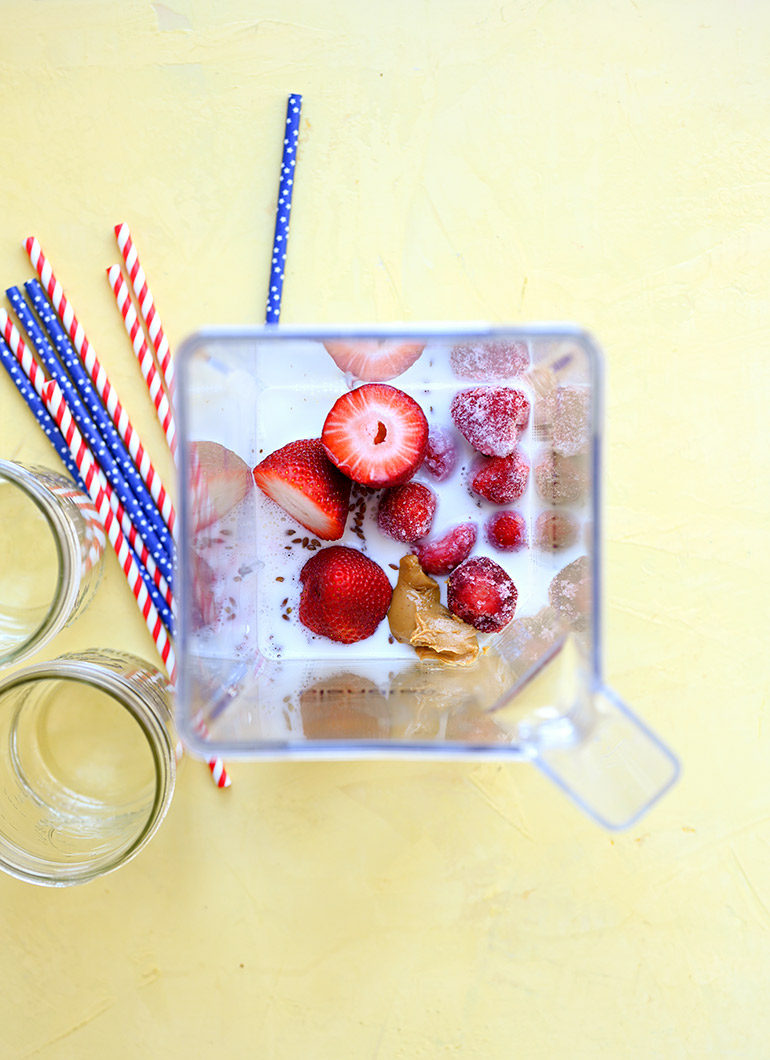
x: 604, y: 162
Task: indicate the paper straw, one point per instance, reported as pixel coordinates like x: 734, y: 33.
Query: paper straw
x: 99, y: 377
x: 49, y: 428
x: 91, y: 433
x: 103, y: 423
x: 53, y: 399
x: 147, y: 307
x: 37, y: 378
x: 283, y: 209
x: 143, y: 356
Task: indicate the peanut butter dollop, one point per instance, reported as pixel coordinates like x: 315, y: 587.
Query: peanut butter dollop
x: 416, y: 616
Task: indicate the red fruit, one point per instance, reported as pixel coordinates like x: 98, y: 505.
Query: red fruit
x: 345, y: 595
x: 406, y: 512
x: 446, y: 552
x: 301, y: 478
x: 560, y: 479
x: 442, y: 453
x: 507, y: 531
x: 481, y: 593
x: 489, y: 362
x: 223, y: 480
x: 374, y: 360
x: 490, y: 417
x: 501, y: 479
x: 555, y: 530
x: 376, y: 435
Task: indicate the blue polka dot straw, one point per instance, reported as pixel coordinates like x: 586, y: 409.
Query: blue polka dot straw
x: 54, y: 436
x: 283, y: 209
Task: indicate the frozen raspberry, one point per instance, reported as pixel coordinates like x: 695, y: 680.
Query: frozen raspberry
x: 570, y: 593
x: 406, y: 512
x: 442, y: 454
x: 481, y: 593
x: 560, y: 479
x: 490, y: 418
x: 501, y: 479
x: 446, y: 552
x: 555, y: 530
x: 507, y: 531
x: 489, y: 362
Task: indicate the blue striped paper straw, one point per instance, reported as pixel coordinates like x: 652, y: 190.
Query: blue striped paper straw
x: 72, y: 363
x: 90, y: 433
x: 52, y: 433
x: 283, y: 209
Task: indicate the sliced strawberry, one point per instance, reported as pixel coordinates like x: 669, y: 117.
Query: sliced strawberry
x: 501, y: 479
x: 374, y: 360
x: 221, y: 480
x: 492, y: 361
x: 442, y: 454
x: 301, y: 478
x: 481, y: 593
x: 406, y: 512
x: 345, y: 595
x: 490, y: 417
x: 507, y: 531
x: 376, y: 435
x: 446, y: 552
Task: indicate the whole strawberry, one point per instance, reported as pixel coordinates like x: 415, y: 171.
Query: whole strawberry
x: 507, y: 531
x: 345, y: 595
x: 406, y: 512
x: 481, y: 594
x: 490, y: 418
x: 501, y: 479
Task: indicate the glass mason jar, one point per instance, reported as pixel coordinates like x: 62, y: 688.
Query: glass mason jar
x: 51, y: 557
x: 87, y: 765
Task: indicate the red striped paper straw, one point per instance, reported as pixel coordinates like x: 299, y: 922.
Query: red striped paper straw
x: 147, y: 306
x: 89, y: 472
x: 143, y: 355
x: 99, y: 378
x: 36, y: 376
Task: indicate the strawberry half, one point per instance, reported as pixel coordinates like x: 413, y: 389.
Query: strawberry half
x: 374, y: 360
x: 490, y: 417
x: 304, y: 482
x: 376, y: 435
x: 345, y: 595
x: 221, y: 481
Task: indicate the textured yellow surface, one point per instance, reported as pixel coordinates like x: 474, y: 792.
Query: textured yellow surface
x: 601, y: 162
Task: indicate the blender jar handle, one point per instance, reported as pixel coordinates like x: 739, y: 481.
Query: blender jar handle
x: 618, y: 768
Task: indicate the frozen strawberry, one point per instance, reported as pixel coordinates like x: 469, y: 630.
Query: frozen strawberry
x: 376, y: 435
x: 489, y: 362
x: 446, y: 552
x: 501, y: 479
x: 570, y: 593
x: 481, y: 593
x: 221, y: 480
x: 406, y: 512
x: 374, y: 360
x: 507, y: 531
x: 555, y: 530
x: 301, y: 478
x: 490, y: 417
x: 560, y: 479
x: 345, y: 595
x: 442, y: 454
